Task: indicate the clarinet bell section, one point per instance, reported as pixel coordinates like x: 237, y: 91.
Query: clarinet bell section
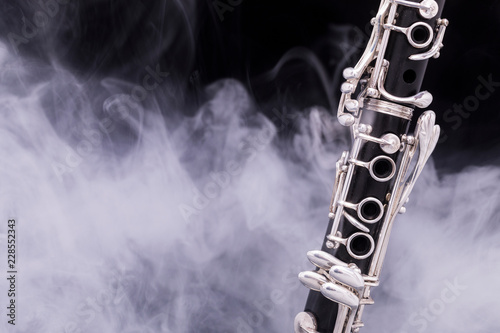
x: 375, y: 177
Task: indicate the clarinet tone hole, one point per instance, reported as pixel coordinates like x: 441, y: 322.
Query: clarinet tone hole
x: 370, y: 210
x: 409, y: 76
x: 360, y: 245
x: 382, y: 168
x: 420, y: 34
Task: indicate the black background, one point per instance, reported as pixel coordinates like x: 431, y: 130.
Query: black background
x: 96, y: 39
x: 265, y: 30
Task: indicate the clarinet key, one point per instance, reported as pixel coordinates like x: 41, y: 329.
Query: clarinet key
x: 323, y: 260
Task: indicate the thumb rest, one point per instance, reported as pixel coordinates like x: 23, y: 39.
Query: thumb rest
x: 374, y: 179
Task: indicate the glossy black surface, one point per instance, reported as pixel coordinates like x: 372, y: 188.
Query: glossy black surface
x: 362, y: 186
x: 404, y: 78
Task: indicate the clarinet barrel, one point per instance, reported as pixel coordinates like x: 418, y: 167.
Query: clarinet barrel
x: 374, y: 178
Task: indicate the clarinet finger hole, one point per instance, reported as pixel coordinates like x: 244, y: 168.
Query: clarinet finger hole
x: 420, y: 34
x: 360, y: 245
x: 370, y: 210
x: 409, y: 76
x: 382, y: 168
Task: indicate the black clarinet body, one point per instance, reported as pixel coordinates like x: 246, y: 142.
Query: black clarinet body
x: 374, y: 179
x: 365, y: 186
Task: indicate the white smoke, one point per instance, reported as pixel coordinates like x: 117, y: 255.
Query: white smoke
x: 125, y: 226
x: 443, y: 260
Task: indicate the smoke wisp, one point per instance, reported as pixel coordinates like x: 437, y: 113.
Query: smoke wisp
x: 130, y: 224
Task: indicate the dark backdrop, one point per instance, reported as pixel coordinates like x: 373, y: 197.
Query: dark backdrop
x: 257, y: 35
x: 205, y: 40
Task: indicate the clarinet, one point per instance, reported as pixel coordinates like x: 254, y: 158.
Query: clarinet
x: 374, y: 179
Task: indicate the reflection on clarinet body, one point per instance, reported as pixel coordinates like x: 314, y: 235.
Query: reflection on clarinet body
x: 374, y: 179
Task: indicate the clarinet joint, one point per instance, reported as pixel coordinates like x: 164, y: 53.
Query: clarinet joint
x: 374, y: 179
